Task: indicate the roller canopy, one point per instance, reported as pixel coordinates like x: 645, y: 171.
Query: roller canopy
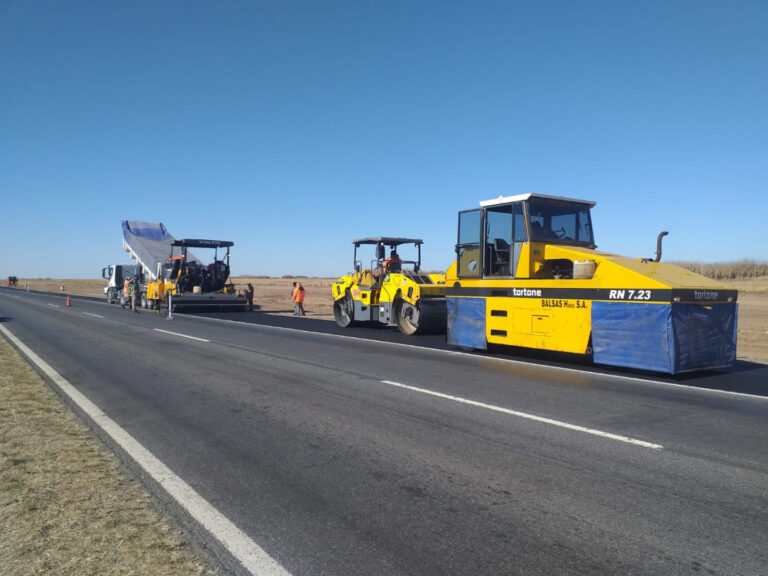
x: 387, y: 240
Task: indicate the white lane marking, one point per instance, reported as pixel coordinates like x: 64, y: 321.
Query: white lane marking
x: 478, y: 356
x: 541, y: 419
x: 245, y: 550
x: 182, y: 335
x: 488, y: 358
x: 94, y: 315
x: 54, y: 305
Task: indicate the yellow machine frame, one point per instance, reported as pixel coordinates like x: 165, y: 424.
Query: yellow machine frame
x: 515, y: 284
x: 177, y: 267
x: 408, y: 298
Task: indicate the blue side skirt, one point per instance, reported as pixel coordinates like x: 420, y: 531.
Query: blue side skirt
x: 466, y: 322
x: 669, y: 338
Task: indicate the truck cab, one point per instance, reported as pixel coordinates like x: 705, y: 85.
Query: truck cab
x: 115, y: 275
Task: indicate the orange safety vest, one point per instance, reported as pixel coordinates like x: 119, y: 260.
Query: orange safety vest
x: 298, y: 294
x: 389, y: 262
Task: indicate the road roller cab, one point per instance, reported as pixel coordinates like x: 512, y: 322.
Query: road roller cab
x: 388, y: 287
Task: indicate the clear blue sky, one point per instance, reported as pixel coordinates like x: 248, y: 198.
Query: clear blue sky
x: 292, y: 128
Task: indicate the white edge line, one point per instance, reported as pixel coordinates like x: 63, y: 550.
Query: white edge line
x: 182, y: 335
x: 541, y: 419
x: 242, y: 548
x: 94, y: 315
x: 497, y: 359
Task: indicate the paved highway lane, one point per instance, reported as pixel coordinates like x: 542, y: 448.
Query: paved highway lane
x: 744, y: 377
x: 345, y: 456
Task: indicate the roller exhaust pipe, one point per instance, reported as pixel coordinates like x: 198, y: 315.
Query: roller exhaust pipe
x: 658, y: 245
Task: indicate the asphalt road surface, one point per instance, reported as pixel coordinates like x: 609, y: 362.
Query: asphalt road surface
x: 365, y: 452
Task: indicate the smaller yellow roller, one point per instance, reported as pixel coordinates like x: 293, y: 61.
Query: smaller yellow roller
x: 391, y: 290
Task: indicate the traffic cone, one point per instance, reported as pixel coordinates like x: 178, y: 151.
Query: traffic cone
x: 68, y: 302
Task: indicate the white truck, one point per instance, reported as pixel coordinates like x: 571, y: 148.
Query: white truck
x: 115, y: 275
x: 149, y: 244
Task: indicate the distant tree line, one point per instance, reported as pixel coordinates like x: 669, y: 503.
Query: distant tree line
x: 728, y: 270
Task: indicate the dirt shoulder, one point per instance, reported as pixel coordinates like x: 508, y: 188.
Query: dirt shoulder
x: 752, y: 343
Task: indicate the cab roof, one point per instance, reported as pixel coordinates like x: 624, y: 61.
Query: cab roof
x: 521, y: 197
x: 387, y: 241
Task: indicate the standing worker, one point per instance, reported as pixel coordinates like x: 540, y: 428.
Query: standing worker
x: 249, y: 296
x: 298, y: 300
x: 126, y: 292
x: 135, y: 291
x: 161, y: 294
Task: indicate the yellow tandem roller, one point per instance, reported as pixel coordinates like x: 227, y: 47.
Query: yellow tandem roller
x: 391, y: 289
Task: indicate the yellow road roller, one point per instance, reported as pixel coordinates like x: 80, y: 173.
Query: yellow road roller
x: 527, y: 273
x: 390, y: 288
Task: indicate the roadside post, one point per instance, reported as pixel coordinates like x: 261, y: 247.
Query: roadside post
x: 170, y: 306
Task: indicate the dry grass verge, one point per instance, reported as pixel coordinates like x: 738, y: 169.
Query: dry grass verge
x: 66, y: 505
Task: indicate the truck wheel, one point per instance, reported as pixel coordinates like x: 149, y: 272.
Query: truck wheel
x: 110, y: 296
x: 344, y: 310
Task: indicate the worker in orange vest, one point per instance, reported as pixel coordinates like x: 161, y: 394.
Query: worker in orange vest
x: 298, y: 300
x: 393, y: 263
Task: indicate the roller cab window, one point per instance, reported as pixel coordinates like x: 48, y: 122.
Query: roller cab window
x: 557, y: 221
x: 468, y: 254
x: 505, y: 233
